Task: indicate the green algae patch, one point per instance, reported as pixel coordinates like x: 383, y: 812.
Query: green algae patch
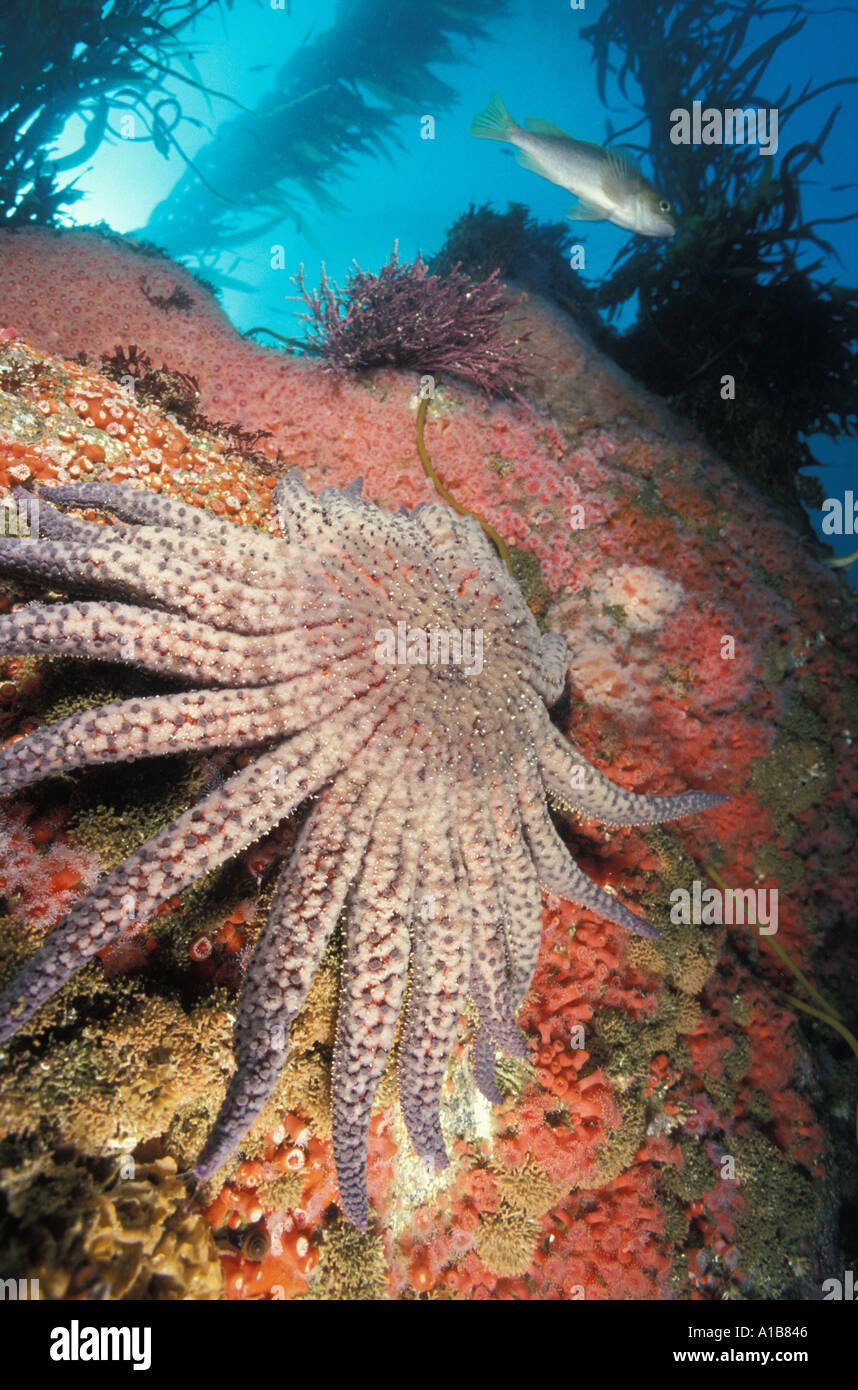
x: 617, y: 1153
x: 616, y: 612
x: 771, y: 862
x: 352, y: 1265
x: 617, y: 1044
x: 117, y: 1080
x: 775, y: 1227
x: 798, y: 772
x: 115, y: 809
x: 69, y: 687
x: 18, y: 940
x: 95, y: 1229
x: 527, y: 573
x: 528, y: 1188
x: 648, y: 500
x: 690, y: 1181
x: 514, y: 1075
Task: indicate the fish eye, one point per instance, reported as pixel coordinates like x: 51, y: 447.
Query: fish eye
x: 664, y: 205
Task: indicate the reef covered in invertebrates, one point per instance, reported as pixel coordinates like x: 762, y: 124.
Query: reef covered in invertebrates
x: 672, y: 1129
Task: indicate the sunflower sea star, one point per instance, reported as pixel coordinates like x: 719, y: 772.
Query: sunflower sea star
x: 335, y: 652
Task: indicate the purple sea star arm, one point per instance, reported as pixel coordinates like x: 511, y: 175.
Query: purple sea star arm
x: 389, y: 547
x: 394, y: 550
x: 206, y: 556
x: 440, y: 972
x: 523, y: 914
x: 307, y: 902
x: 556, y: 869
x: 553, y: 665
x: 54, y: 524
x: 146, y: 508
x: 221, y: 825
x: 490, y: 973
x: 483, y: 1064
x: 574, y: 784
x: 374, y: 976
x: 303, y: 519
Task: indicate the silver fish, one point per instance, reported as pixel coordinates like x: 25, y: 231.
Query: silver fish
x: 608, y: 183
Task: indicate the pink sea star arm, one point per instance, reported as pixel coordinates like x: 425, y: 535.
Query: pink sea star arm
x: 188, y: 721
x: 166, y: 643
x: 553, y: 667
x: 152, y: 576
x: 122, y: 632
x: 523, y: 913
x: 490, y: 969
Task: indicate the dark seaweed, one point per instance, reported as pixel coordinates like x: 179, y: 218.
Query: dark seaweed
x: 60, y: 58
x: 535, y: 254
x: 734, y: 293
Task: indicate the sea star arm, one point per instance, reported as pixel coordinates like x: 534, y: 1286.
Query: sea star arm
x: 193, y: 844
x: 187, y: 721
x: 440, y: 972
x: 225, y: 822
x: 553, y: 666
x: 142, y: 636
x: 490, y: 972
x: 149, y: 576
x: 144, y: 508
x: 523, y: 906
x: 483, y: 1056
x: 374, y: 976
x: 209, y: 556
x: 556, y: 869
x: 574, y: 784
x: 307, y: 902
x: 375, y: 556
x: 170, y: 644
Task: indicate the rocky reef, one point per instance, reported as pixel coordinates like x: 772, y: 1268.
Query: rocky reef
x: 683, y: 1128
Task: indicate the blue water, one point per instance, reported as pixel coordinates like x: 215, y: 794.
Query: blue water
x: 534, y: 56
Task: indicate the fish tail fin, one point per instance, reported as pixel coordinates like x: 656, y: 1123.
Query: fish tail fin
x: 493, y: 123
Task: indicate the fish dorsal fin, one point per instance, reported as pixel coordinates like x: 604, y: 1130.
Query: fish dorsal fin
x: 622, y: 172
x: 537, y: 126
